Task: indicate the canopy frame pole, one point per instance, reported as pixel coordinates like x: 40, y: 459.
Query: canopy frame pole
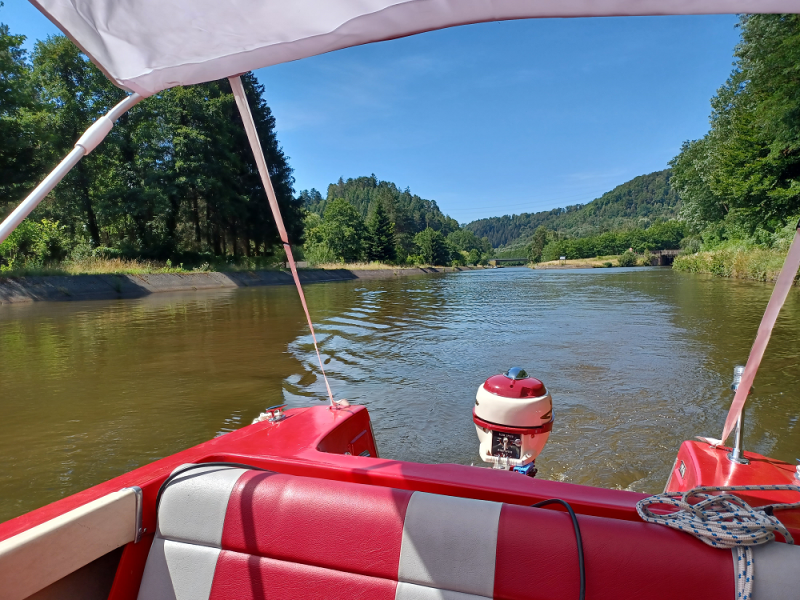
x: 263, y: 171
x: 87, y: 142
x: 779, y: 293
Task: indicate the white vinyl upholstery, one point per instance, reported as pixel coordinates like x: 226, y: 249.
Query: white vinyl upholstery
x: 776, y: 571
x: 187, y: 544
x: 207, y: 491
x: 178, y: 571
x: 449, y: 545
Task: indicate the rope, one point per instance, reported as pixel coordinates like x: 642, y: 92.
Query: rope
x: 723, y: 520
x: 263, y: 171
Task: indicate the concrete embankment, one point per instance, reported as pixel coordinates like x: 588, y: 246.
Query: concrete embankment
x: 106, y: 287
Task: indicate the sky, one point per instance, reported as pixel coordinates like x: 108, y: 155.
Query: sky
x: 495, y: 118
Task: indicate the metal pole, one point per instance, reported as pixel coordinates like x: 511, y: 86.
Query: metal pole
x: 737, y: 453
x: 87, y: 142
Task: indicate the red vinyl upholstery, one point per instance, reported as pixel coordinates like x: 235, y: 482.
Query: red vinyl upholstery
x: 297, y: 538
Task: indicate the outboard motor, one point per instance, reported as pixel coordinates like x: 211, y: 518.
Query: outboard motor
x: 513, y: 416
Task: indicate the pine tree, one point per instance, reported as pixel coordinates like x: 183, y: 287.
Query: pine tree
x: 380, y: 243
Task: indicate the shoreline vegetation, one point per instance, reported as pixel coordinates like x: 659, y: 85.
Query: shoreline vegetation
x: 598, y: 262
x: 735, y: 262
x: 123, y: 266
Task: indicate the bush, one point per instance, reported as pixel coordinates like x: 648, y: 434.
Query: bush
x: 627, y: 259
x: 34, y: 244
x: 432, y: 247
x: 320, y: 254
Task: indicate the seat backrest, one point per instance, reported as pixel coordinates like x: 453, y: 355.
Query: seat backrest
x: 234, y: 533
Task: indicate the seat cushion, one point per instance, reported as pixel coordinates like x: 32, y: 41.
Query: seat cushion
x: 235, y: 533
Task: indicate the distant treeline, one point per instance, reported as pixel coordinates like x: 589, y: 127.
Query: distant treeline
x: 408, y: 213
x: 174, y: 179
x: 637, y: 203
x: 660, y: 236
x: 368, y: 219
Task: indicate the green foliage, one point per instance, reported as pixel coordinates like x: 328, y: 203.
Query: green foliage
x: 175, y: 179
x: 538, y: 242
x: 380, y: 242
x: 409, y: 213
x: 432, y: 248
x: 636, y: 204
x: 468, y: 249
x: 401, y: 227
x: 660, y: 236
x: 627, y: 259
x: 735, y: 259
x: 465, y: 240
x: 18, y: 131
x: 342, y: 232
x: 744, y: 175
x: 33, y: 244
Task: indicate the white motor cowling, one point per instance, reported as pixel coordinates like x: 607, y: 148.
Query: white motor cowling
x: 513, y: 416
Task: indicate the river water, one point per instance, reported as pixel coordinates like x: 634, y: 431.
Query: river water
x: 637, y: 361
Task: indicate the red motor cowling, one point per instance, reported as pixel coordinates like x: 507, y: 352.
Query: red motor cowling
x: 513, y: 416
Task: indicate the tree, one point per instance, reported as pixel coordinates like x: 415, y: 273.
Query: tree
x: 343, y: 231
x: 432, y: 247
x: 175, y: 177
x: 538, y: 242
x: 746, y: 171
x: 18, y: 130
x: 380, y: 243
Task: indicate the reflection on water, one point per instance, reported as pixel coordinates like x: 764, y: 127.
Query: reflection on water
x: 637, y: 361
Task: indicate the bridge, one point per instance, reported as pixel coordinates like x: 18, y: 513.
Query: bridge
x: 663, y: 258
x: 523, y: 261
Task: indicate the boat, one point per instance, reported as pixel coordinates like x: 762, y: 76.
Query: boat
x: 300, y: 504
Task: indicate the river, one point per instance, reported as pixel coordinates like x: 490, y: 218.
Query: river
x: 637, y: 361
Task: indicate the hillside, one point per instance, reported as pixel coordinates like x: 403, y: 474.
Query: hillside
x: 636, y: 203
x: 407, y: 211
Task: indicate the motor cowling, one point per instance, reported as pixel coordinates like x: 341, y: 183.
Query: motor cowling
x: 513, y: 417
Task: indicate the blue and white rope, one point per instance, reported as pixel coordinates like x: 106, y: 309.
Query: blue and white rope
x: 723, y: 520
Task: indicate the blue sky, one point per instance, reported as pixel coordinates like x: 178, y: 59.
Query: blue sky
x: 495, y: 118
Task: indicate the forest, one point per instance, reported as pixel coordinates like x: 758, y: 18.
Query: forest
x: 635, y: 204
x: 365, y: 219
x: 175, y: 180
x: 740, y: 183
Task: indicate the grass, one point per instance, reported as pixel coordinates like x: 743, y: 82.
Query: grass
x: 598, y: 262
x: 740, y: 261
x: 125, y: 266
x: 371, y: 266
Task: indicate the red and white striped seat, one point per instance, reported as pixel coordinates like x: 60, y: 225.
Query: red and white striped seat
x: 234, y: 533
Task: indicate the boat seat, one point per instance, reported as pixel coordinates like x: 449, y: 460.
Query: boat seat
x: 246, y: 534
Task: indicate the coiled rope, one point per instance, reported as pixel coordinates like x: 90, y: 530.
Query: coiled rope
x: 723, y: 520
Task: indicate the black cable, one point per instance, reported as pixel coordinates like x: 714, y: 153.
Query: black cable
x: 577, y: 538
x: 169, y: 479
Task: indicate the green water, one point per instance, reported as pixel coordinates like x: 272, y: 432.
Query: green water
x: 637, y: 361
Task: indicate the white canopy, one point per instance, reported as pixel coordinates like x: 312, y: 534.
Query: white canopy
x: 149, y: 45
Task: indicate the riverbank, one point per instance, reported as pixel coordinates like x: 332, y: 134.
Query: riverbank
x: 578, y: 263
x: 114, y: 286
x: 745, y: 262
x: 598, y: 262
